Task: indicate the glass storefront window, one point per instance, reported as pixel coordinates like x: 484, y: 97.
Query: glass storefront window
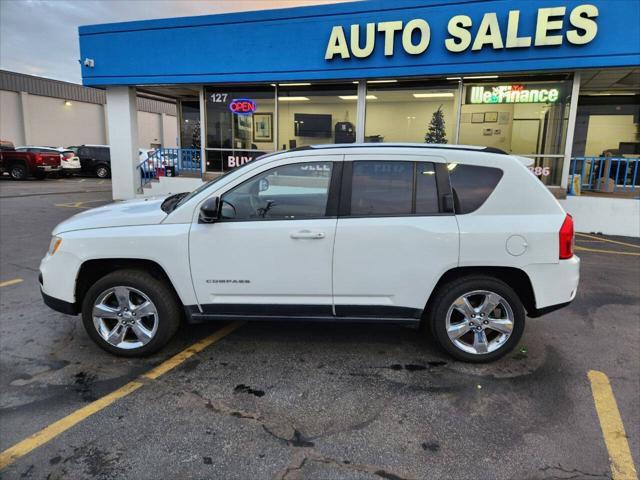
x: 311, y: 114
x: 239, y: 125
x: 403, y: 111
x: 520, y: 116
x: 190, y: 128
x: 608, y: 124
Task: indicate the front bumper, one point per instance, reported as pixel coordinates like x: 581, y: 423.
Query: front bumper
x: 59, y: 305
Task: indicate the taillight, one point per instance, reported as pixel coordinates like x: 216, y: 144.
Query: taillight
x: 38, y: 158
x: 567, y: 237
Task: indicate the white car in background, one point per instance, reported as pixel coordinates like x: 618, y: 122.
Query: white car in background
x: 69, y: 161
x: 463, y: 241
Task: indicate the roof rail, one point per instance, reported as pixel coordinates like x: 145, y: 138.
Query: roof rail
x: 391, y: 145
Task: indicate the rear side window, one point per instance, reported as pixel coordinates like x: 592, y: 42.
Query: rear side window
x: 100, y: 153
x: 472, y: 185
x: 382, y: 188
x: 393, y: 188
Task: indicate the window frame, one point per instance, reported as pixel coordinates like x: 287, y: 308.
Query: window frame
x: 442, y: 185
x: 333, y: 193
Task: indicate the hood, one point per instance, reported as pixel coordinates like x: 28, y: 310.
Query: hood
x: 144, y: 211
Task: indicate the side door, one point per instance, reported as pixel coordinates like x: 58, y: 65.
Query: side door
x: 270, y: 253
x: 86, y: 159
x: 397, y: 234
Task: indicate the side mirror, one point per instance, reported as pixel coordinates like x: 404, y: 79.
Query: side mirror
x: 210, y: 210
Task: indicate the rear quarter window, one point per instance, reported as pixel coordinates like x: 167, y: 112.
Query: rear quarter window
x: 472, y: 185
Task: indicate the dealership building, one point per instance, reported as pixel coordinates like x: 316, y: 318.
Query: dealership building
x: 556, y: 81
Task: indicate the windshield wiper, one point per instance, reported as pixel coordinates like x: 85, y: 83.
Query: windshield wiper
x: 169, y: 203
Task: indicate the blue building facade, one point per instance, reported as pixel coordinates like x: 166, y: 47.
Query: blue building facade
x: 513, y: 75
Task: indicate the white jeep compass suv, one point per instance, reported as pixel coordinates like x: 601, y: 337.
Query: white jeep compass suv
x: 464, y: 241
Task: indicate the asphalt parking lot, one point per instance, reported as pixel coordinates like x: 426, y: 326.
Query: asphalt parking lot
x: 293, y: 401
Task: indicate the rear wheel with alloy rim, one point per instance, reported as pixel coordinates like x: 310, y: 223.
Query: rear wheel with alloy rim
x: 18, y: 172
x: 130, y: 313
x: 102, y: 171
x: 477, y: 319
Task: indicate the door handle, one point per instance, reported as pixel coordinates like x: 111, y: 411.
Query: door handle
x: 307, y: 234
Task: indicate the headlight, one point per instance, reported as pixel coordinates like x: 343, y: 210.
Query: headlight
x: 54, y: 245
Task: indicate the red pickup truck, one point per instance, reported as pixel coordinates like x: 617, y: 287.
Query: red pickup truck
x: 21, y: 165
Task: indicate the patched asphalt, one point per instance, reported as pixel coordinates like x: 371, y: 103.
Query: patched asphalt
x: 310, y: 401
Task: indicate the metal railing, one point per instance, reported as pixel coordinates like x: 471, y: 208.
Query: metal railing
x: 604, y: 174
x: 170, y: 162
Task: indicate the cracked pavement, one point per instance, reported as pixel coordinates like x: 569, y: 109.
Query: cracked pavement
x: 308, y: 401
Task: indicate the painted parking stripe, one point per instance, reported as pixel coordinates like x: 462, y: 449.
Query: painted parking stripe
x: 51, y: 431
x: 593, y: 237
x: 615, y: 438
x: 78, y: 204
x: 7, y: 283
x: 598, y: 250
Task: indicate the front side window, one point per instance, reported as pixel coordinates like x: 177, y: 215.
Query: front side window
x: 472, y: 185
x: 289, y: 192
x: 393, y: 188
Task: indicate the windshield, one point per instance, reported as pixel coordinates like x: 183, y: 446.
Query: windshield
x: 204, y: 186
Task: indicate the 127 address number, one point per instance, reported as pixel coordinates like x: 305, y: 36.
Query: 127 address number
x: 219, y: 97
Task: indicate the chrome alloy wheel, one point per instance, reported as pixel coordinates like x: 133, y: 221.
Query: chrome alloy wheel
x: 102, y: 172
x: 479, y: 322
x: 125, y: 317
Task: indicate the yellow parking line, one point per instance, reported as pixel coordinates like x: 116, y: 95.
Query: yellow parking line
x: 597, y: 250
x: 7, y: 283
x: 593, y: 237
x: 53, y: 430
x: 76, y: 204
x: 615, y: 438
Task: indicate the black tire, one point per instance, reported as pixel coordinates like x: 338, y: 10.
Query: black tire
x: 103, y: 171
x: 447, y: 294
x: 162, y: 296
x: 18, y: 171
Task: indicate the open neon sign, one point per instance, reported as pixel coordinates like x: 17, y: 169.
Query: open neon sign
x: 242, y: 106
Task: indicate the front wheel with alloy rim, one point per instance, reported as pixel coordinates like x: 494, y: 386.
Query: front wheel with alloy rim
x: 130, y: 313
x: 477, y: 319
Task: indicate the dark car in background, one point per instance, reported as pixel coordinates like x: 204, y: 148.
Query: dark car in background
x: 94, y: 159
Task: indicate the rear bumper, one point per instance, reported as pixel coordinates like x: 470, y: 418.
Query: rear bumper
x: 554, y: 285
x: 538, y: 312
x: 48, y: 168
x: 59, y: 305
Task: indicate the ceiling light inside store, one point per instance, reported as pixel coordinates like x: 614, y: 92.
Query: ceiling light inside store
x: 478, y: 77
x: 379, y: 81
x: 294, y: 84
x: 293, y: 99
x: 433, y: 95
x: 605, y: 94
x: 355, y: 97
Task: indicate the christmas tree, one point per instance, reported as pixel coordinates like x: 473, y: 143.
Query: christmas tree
x: 195, y: 136
x: 436, y: 133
